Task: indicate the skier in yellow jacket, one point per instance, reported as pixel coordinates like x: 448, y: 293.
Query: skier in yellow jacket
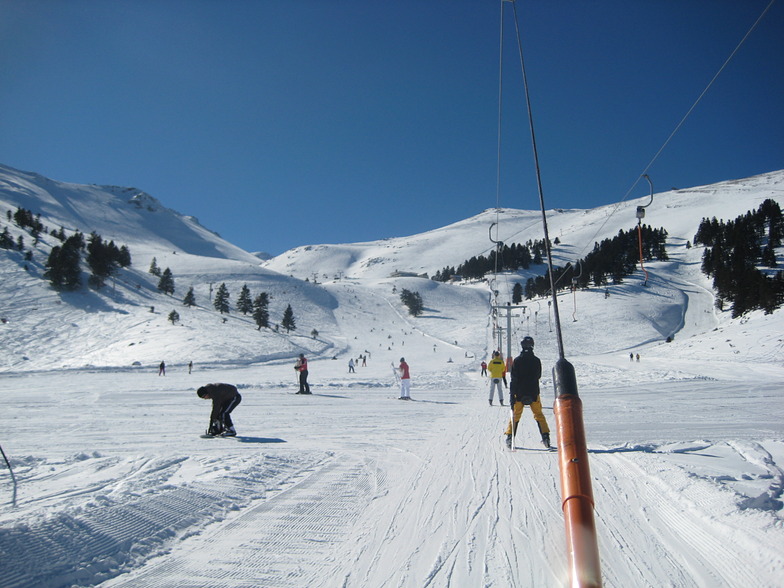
x: 497, y: 375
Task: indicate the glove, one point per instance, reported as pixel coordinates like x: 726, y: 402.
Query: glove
x: 216, y: 428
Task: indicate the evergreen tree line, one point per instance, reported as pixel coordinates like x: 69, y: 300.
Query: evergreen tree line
x: 257, y: 307
x: 611, y: 260
x: 26, y: 221
x: 29, y: 222
x: 733, y: 252
x: 63, y: 267
x: 510, y: 258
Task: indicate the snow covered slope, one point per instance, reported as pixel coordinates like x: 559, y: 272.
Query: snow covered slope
x: 351, y: 487
x: 125, y: 323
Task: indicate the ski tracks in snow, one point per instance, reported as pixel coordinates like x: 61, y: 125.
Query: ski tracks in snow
x: 688, y: 525
x: 468, y: 512
x: 285, y: 540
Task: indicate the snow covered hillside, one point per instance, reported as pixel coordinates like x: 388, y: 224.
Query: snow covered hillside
x: 351, y: 487
x: 125, y: 323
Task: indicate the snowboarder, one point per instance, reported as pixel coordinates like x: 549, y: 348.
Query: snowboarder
x: 405, y: 380
x: 483, y: 365
x: 162, y: 369
x: 497, y: 375
x: 524, y: 389
x: 225, y: 398
x: 351, y: 366
x: 302, y: 367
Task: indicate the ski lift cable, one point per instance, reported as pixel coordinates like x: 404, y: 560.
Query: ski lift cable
x: 540, y: 190
x: 577, y: 496
x: 682, y: 121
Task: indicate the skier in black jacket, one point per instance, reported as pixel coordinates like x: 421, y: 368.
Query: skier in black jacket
x: 524, y: 389
x: 225, y: 398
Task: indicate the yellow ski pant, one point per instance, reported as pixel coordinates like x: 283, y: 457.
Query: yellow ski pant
x: 536, y: 407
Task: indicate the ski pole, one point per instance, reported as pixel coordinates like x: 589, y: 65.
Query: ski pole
x: 13, y: 477
x: 511, y: 422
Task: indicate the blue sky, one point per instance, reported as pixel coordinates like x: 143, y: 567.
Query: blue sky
x: 282, y: 123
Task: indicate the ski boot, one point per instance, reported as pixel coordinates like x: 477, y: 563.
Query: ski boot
x: 491, y: 402
x: 546, y: 440
x: 509, y: 441
x: 229, y: 432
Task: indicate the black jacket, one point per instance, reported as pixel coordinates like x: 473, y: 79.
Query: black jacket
x: 221, y: 395
x: 526, y: 372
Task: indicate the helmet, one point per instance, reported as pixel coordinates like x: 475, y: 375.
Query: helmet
x: 402, y: 359
x: 202, y: 392
x: 527, y: 343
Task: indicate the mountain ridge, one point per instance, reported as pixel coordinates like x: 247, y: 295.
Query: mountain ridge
x: 126, y: 323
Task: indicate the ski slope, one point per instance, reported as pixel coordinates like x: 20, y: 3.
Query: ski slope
x: 352, y: 487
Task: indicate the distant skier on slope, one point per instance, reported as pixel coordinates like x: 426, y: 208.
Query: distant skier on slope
x: 225, y: 399
x: 405, y: 380
x: 497, y: 375
x: 302, y: 367
x: 524, y: 389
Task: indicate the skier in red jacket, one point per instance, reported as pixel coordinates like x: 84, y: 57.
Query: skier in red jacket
x: 302, y: 367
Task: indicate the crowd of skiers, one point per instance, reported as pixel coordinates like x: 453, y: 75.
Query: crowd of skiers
x: 525, y: 372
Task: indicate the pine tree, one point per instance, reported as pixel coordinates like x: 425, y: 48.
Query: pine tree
x: 221, y: 302
x: 100, y: 258
x: 124, y: 258
x: 261, y: 310
x: 166, y: 283
x: 190, y: 298
x: 244, y: 302
x: 174, y: 316
x: 154, y: 270
x: 62, y: 267
x: 413, y: 300
x: 6, y: 240
x: 288, y: 321
x: 517, y: 293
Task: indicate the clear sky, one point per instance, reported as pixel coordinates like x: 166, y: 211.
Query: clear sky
x: 281, y: 123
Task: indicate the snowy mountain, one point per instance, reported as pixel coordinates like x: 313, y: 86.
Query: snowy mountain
x: 126, y: 322
x: 351, y: 487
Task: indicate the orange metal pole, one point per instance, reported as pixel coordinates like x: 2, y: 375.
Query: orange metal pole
x: 576, y: 489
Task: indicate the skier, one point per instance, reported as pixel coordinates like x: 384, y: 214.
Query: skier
x: 302, y: 367
x: 351, y: 366
x: 162, y: 369
x: 225, y: 398
x: 405, y: 380
x: 483, y: 365
x: 497, y: 375
x: 524, y: 389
